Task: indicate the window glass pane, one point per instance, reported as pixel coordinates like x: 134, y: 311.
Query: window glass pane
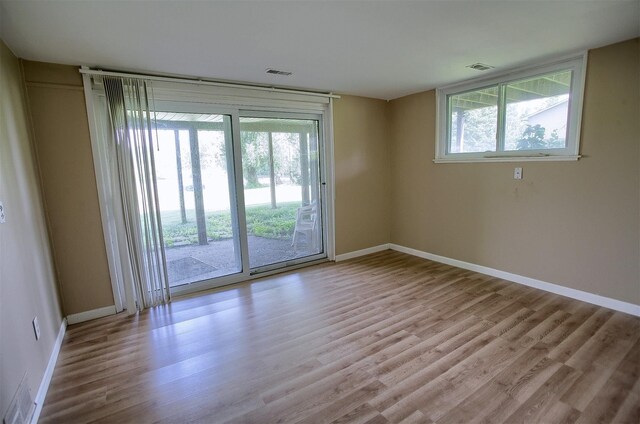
x: 536, y: 112
x: 473, y: 121
x: 280, y: 163
x: 194, y: 182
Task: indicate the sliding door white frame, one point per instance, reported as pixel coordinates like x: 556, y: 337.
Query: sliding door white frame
x: 238, y: 194
x: 210, y: 100
x: 329, y: 187
x: 318, y: 117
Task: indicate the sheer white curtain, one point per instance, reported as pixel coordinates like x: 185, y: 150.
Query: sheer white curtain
x: 132, y: 128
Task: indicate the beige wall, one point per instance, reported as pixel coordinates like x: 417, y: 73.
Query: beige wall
x: 27, y: 279
x: 570, y: 223
x: 362, y: 173
x: 63, y: 145
x: 575, y: 224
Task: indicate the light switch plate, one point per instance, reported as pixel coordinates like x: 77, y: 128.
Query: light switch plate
x: 517, y: 174
x: 36, y: 327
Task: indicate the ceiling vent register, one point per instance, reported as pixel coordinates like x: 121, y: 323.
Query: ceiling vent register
x: 480, y: 66
x: 278, y: 72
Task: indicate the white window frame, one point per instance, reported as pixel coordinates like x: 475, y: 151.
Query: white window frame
x: 577, y: 64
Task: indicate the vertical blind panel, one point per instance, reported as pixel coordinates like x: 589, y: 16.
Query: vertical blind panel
x: 129, y: 103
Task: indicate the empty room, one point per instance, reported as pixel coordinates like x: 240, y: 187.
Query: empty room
x: 367, y: 211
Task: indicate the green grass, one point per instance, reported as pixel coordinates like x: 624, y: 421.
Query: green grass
x: 262, y: 221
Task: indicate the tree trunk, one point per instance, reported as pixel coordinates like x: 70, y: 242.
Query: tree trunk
x: 197, y: 187
x: 304, y: 168
x: 183, y: 212
x: 272, y: 173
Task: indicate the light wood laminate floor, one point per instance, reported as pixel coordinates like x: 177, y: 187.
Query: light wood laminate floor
x: 383, y: 338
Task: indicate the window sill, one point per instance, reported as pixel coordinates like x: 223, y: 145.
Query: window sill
x: 568, y: 158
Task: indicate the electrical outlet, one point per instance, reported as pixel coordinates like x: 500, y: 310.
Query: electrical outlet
x: 517, y: 174
x: 36, y: 328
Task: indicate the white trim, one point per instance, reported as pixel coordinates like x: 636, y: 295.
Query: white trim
x: 89, y: 315
x: 546, y: 158
x: 48, y: 373
x: 236, y: 193
x: 584, y: 296
x: 204, y: 82
x: 329, y: 186
x: 362, y: 252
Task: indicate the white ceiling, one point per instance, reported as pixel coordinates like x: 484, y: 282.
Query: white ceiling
x: 381, y: 49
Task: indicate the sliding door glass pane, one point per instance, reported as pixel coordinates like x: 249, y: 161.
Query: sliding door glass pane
x: 536, y: 112
x: 193, y: 171
x: 473, y: 121
x: 280, y: 164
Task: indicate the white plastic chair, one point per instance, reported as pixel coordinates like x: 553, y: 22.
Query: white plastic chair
x: 306, y: 223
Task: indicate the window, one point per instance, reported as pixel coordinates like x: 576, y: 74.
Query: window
x: 531, y: 114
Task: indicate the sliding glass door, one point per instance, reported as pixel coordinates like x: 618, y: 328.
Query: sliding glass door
x: 240, y: 193
x: 283, y: 207
x: 196, y: 192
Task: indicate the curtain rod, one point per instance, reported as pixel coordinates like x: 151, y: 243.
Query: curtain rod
x: 88, y: 71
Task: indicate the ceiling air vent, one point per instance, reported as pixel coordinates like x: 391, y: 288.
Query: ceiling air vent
x: 480, y: 66
x: 277, y: 72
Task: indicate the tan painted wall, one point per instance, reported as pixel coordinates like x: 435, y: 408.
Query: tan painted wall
x: 63, y: 145
x: 362, y: 173
x: 575, y: 224
x: 27, y: 279
x: 570, y: 223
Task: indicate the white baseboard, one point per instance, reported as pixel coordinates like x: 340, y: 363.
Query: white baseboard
x: 93, y: 314
x: 48, y: 373
x: 363, y: 252
x: 584, y: 296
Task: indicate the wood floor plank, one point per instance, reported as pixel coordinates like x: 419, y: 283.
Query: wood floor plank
x: 344, y: 405
x: 587, y: 386
x: 430, y: 351
x: 364, y: 413
x: 385, y: 338
x: 560, y: 412
x: 608, y: 345
x: 476, y: 406
x: 466, y: 377
x: 619, y: 387
x: 543, y: 400
x: 629, y: 412
x: 564, y: 350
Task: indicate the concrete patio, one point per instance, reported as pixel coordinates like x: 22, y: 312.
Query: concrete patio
x: 192, y: 263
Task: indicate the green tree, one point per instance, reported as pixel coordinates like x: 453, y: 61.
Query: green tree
x: 255, y: 157
x: 554, y: 141
x: 479, y: 128
x: 532, y: 138
x: 286, y: 156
